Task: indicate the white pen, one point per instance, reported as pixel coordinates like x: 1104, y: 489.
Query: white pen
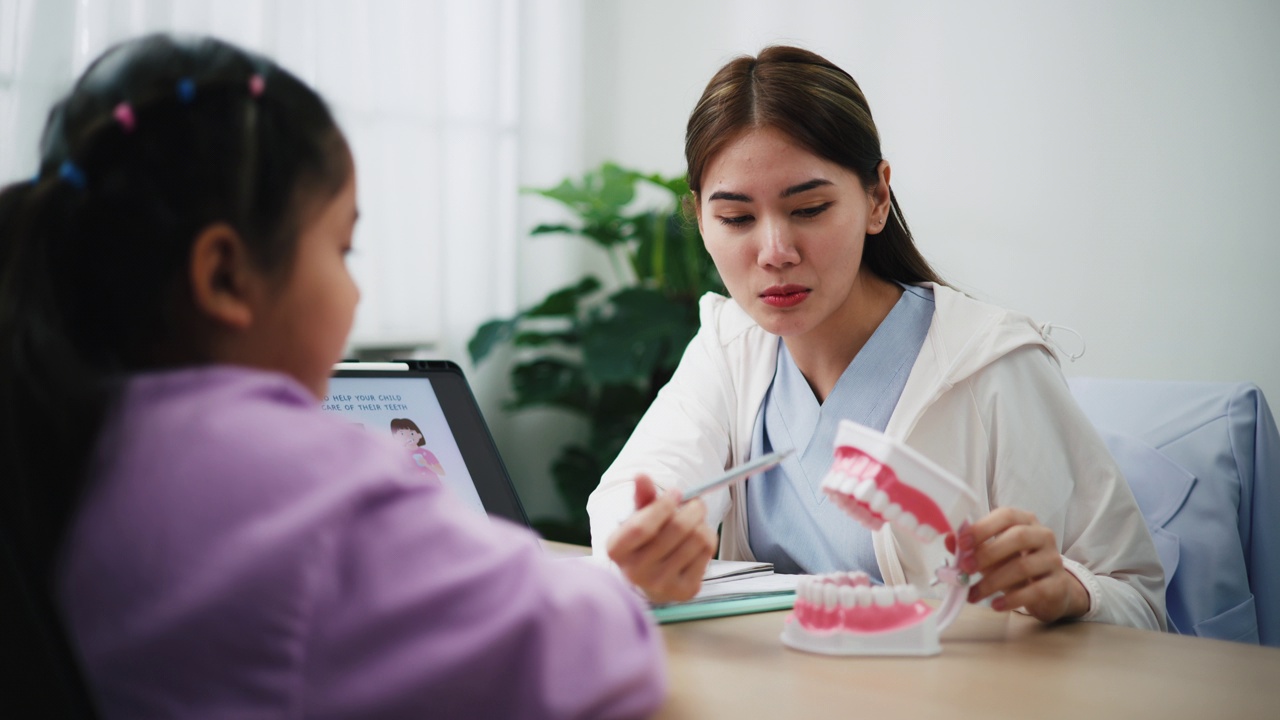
x: 760, y: 464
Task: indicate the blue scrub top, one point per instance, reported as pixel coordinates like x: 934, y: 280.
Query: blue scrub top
x: 791, y: 523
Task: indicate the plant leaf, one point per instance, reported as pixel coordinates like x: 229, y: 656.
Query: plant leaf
x: 488, y: 335
x: 532, y: 338
x: 577, y: 472
x: 547, y: 229
x: 638, y: 333
x: 552, y: 382
x: 564, y: 302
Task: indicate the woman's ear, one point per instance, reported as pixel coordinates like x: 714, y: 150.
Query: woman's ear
x: 881, y: 204
x: 224, y: 280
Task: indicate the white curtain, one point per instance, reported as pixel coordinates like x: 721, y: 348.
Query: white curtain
x: 443, y: 102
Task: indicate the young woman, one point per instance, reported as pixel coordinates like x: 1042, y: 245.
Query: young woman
x: 835, y: 314
x: 173, y: 294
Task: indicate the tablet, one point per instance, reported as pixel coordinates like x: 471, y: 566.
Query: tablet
x: 427, y: 408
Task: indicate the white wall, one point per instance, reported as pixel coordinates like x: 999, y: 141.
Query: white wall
x: 1109, y: 166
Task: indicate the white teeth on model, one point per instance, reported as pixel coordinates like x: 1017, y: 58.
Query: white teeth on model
x: 859, y: 578
x: 865, y: 490
x: 848, y: 485
x: 907, y: 521
x: 847, y: 597
x: 879, y: 501
x: 926, y: 533
x: 862, y: 596
x: 906, y: 594
x: 892, y: 512
x: 829, y: 596
x: 855, y: 465
x: 882, y: 596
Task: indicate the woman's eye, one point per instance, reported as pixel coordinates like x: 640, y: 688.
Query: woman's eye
x: 735, y: 219
x: 814, y: 211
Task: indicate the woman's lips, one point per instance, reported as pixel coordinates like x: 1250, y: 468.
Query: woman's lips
x: 784, y: 296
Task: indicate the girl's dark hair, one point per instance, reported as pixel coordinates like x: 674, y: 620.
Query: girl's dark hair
x: 819, y: 106
x: 407, y: 424
x: 160, y: 138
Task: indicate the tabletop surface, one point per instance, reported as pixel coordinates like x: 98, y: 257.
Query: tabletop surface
x: 992, y: 665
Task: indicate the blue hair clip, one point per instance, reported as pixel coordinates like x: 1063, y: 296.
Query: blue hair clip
x: 72, y: 174
x: 186, y: 90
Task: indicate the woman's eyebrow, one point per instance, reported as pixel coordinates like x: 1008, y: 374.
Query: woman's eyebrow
x: 793, y: 190
x: 804, y: 187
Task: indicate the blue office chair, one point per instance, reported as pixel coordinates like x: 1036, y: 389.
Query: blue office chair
x: 1203, y: 460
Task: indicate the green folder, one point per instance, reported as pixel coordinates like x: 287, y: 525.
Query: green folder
x: 724, y: 606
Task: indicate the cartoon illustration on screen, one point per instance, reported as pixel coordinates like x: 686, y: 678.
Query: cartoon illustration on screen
x: 406, y: 432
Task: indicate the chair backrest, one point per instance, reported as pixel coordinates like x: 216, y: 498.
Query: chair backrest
x: 1203, y: 460
x: 41, y: 674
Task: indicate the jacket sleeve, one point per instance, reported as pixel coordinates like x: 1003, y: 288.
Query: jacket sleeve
x: 424, y: 608
x: 1048, y: 459
x: 682, y: 440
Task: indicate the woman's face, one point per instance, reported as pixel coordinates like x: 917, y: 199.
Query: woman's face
x: 786, y: 230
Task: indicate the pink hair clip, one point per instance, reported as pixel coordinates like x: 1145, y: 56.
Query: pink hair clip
x: 256, y: 85
x: 124, y: 115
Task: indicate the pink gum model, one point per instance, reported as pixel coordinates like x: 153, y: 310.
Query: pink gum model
x: 875, y: 480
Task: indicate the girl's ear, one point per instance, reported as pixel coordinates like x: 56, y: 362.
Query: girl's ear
x: 224, y: 280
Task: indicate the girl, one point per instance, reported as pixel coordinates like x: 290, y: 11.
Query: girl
x: 425, y: 462
x: 174, y: 283
x: 835, y: 314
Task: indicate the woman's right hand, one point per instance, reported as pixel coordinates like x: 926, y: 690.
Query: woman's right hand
x: 665, y: 546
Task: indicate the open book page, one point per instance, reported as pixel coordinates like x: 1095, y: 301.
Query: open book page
x: 746, y: 587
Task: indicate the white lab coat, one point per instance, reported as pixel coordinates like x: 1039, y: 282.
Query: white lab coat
x: 986, y: 400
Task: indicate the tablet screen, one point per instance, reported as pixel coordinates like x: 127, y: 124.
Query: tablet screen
x: 407, y: 410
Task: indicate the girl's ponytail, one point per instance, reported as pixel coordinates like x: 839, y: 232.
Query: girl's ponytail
x: 52, y: 400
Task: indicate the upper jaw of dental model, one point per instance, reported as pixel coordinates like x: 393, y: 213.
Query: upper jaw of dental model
x: 876, y: 480
x: 848, y: 601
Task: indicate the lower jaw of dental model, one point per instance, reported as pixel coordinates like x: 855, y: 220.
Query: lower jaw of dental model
x: 877, y: 480
x: 843, y: 614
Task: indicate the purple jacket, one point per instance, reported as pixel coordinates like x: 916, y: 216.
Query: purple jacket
x: 241, y: 554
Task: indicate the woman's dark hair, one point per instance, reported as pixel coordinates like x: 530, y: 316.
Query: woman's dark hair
x: 160, y: 138
x: 407, y: 424
x: 819, y: 106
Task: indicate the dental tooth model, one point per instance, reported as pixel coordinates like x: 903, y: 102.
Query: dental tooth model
x: 876, y: 479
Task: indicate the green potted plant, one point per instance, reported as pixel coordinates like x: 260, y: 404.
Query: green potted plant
x: 603, y: 352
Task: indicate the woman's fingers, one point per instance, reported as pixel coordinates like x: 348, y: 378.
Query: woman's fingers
x: 685, y: 568
x: 641, y: 528
x: 996, y: 522
x: 646, y: 491
x: 664, y: 547
x: 1016, y: 571
x: 1019, y: 557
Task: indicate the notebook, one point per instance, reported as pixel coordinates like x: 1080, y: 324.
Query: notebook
x: 427, y: 407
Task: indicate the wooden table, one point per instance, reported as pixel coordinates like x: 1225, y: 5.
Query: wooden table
x: 993, y: 665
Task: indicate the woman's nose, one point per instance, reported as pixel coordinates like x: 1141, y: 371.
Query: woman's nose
x: 777, y: 246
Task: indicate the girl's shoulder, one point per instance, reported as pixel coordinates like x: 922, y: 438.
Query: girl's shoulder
x: 239, y: 426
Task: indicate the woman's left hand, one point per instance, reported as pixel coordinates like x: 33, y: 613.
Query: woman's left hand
x: 1019, y: 557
